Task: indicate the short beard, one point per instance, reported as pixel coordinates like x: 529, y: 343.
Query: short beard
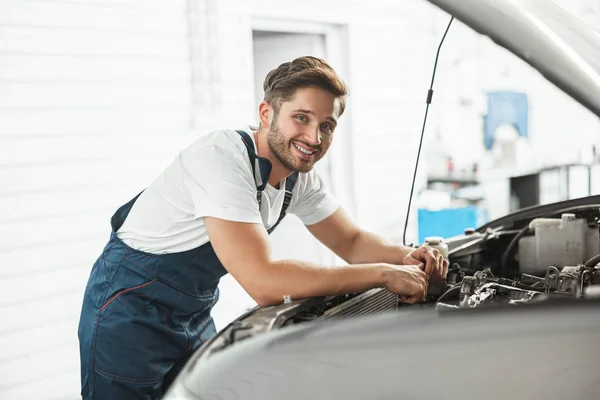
x: 279, y: 147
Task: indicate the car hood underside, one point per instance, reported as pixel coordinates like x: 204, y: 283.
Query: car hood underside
x: 560, y: 46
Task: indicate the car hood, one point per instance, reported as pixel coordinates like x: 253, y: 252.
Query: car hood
x: 415, y: 355
x: 560, y: 46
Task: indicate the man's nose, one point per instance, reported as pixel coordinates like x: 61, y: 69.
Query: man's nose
x: 313, y: 135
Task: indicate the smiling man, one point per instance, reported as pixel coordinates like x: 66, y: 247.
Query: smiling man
x: 147, y: 304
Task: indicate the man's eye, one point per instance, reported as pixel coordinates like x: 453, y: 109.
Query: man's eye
x: 327, y: 128
x: 301, y: 118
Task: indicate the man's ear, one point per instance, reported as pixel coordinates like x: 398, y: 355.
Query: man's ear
x: 265, y: 113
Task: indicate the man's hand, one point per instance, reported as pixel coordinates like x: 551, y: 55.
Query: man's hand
x: 408, y: 281
x: 430, y: 260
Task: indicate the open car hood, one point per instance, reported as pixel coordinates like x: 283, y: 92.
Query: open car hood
x: 560, y: 46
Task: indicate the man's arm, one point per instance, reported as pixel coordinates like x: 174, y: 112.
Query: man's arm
x: 244, y: 251
x: 355, y: 245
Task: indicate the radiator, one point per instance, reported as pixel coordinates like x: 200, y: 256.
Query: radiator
x: 374, y: 301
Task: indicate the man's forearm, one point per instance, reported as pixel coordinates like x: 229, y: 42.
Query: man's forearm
x: 300, y: 279
x: 368, y: 247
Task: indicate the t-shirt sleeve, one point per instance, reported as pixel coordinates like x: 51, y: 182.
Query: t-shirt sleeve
x: 220, y: 184
x: 311, y: 201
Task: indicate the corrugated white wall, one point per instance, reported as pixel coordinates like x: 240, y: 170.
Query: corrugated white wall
x: 94, y: 100
x: 96, y: 97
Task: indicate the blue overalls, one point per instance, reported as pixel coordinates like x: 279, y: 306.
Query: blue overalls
x: 144, y: 315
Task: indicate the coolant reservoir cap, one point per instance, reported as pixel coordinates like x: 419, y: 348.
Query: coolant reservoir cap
x: 434, y: 240
x: 567, y: 217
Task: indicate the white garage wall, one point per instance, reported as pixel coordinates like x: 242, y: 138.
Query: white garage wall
x: 94, y: 100
x: 97, y: 96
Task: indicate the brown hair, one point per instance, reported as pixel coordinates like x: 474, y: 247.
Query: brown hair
x: 281, y: 83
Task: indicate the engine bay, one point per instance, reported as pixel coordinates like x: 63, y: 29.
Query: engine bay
x: 547, y: 257
x: 555, y: 255
x: 552, y: 254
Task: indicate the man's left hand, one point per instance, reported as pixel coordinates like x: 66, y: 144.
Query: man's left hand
x: 431, y: 261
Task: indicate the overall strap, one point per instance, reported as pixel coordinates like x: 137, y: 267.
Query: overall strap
x: 116, y: 221
x: 264, y: 172
x: 261, y: 167
x: 250, y: 146
x: 289, y: 187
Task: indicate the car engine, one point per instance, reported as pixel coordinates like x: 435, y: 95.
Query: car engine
x: 547, y: 258
x: 485, y: 289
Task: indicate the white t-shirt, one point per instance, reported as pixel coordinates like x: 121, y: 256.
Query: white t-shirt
x: 213, y: 177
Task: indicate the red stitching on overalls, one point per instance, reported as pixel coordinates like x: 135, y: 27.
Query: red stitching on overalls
x: 125, y: 291
x: 180, y: 299
x: 204, y: 326
x: 123, y: 303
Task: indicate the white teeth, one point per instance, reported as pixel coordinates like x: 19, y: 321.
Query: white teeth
x: 303, y: 150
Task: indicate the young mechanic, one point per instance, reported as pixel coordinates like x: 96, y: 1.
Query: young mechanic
x: 147, y: 305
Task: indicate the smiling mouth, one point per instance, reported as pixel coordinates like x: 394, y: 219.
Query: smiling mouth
x: 304, y: 151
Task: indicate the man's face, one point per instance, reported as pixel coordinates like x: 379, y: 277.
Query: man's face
x: 302, y: 131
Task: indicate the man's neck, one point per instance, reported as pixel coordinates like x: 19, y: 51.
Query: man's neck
x: 278, y: 171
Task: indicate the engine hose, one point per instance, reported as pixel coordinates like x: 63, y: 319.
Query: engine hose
x: 592, y: 262
x: 513, y: 243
